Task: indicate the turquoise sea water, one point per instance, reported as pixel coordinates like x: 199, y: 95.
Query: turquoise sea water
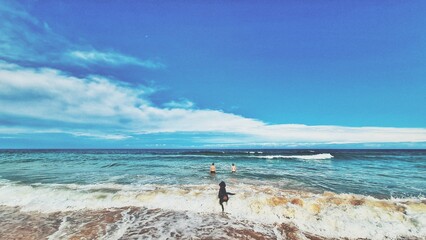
x: 167, y: 194
x: 379, y: 173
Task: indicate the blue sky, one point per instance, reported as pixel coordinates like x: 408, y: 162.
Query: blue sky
x: 212, y: 74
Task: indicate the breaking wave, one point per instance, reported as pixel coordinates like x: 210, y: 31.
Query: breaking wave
x: 320, y: 156
x: 328, y: 214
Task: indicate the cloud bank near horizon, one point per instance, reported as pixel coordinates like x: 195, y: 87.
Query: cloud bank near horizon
x: 45, y: 100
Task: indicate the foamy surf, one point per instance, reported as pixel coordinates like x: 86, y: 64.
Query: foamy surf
x: 168, y: 194
x: 139, y: 223
x: 321, y: 156
x: 267, y: 209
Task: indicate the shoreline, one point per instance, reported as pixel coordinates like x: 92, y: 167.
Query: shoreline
x: 133, y: 222
x: 266, y: 209
x: 138, y: 222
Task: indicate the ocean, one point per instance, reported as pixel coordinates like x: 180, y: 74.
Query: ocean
x: 170, y: 194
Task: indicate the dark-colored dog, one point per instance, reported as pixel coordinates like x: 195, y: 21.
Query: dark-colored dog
x: 223, y: 195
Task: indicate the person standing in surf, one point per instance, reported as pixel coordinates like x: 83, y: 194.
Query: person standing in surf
x: 212, y: 168
x: 233, y: 168
x: 223, y: 194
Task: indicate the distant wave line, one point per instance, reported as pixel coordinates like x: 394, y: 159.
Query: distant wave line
x: 320, y: 156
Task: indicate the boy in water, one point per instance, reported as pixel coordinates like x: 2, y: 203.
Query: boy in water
x: 223, y: 195
x: 233, y: 168
x: 212, y: 168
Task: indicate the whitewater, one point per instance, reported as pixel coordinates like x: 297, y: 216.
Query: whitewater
x: 160, y: 194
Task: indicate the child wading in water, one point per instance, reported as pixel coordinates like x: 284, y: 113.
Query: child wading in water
x: 223, y: 195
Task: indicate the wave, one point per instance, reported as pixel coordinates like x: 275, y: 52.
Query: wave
x: 113, y: 165
x: 204, y: 152
x: 328, y: 214
x: 320, y: 156
x: 139, y: 223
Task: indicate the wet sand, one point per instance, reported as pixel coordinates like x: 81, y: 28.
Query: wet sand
x: 137, y: 223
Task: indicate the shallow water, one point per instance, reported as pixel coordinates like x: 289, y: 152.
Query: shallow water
x: 318, y: 193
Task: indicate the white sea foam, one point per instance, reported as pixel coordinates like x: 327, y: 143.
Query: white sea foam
x: 320, y: 156
x: 59, y: 233
x: 330, y: 215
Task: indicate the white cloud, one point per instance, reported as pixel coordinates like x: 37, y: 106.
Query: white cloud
x: 25, y: 38
x: 183, y: 103
x: 51, y: 95
x: 101, y: 136
x: 111, y: 58
x: 104, y: 108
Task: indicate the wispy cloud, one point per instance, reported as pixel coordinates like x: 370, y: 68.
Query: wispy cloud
x: 183, y: 103
x: 24, y: 38
x: 100, y: 135
x: 100, y: 107
x: 112, y: 58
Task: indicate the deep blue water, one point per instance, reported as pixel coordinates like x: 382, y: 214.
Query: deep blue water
x: 379, y: 173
